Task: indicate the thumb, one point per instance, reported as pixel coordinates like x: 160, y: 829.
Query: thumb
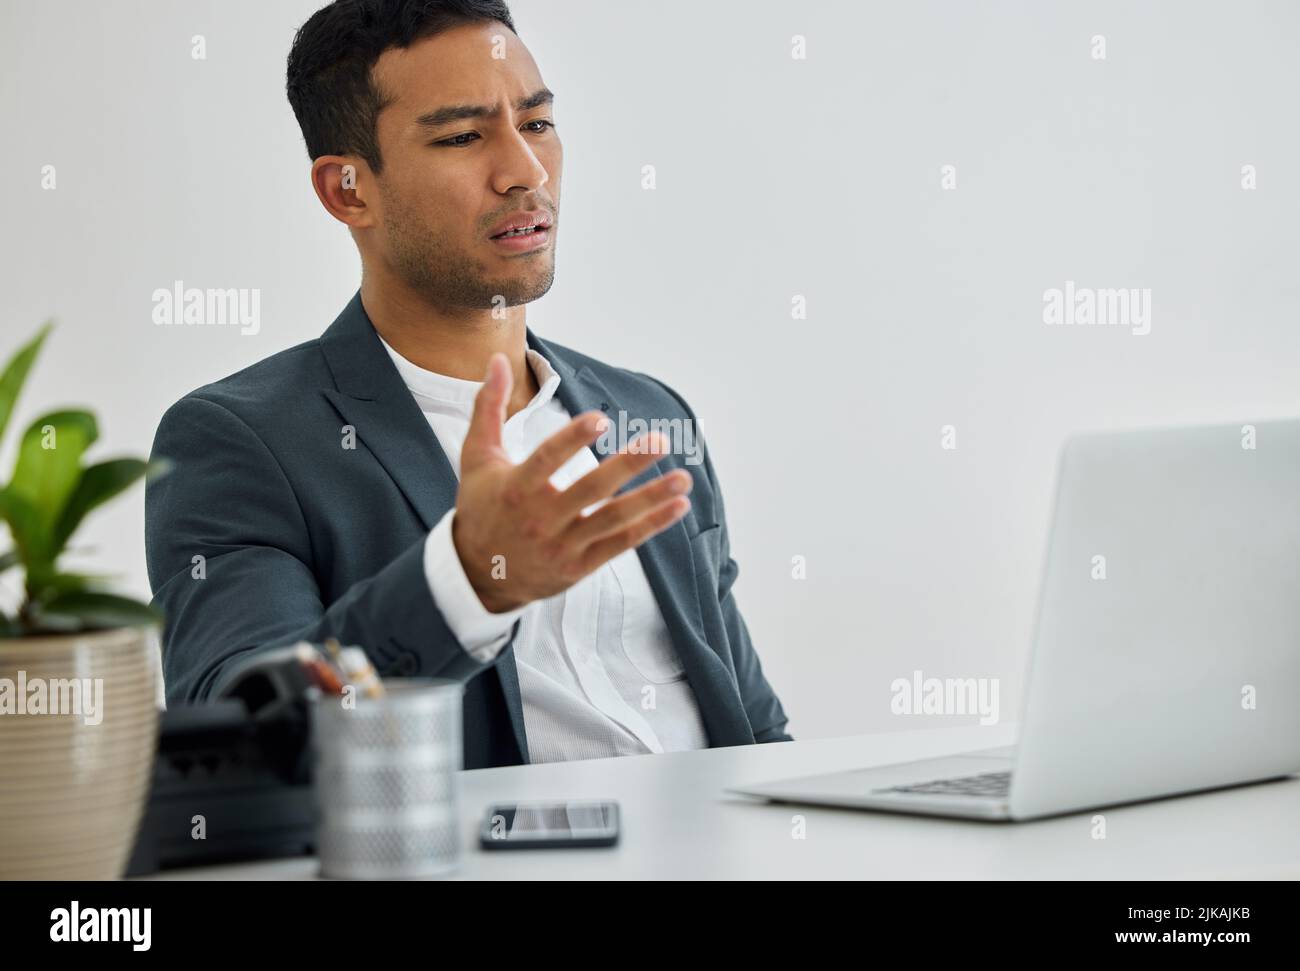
x: 484, y: 434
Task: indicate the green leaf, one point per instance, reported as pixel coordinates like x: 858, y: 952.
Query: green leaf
x: 47, y: 585
x: 14, y: 375
x: 98, y: 484
x: 9, y: 560
x: 25, y: 525
x: 88, y: 610
x: 48, y: 468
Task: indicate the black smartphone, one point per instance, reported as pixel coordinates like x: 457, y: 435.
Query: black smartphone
x: 548, y: 825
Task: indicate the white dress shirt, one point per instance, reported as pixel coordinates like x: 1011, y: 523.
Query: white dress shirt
x: 598, y: 671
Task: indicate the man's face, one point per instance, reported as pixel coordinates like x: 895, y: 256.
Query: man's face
x: 447, y: 183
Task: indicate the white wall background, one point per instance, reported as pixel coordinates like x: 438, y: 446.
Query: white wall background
x: 775, y: 177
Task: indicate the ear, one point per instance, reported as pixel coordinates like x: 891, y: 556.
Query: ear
x: 343, y: 184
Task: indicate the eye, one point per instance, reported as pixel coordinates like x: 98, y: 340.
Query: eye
x: 455, y: 140
x: 540, y: 121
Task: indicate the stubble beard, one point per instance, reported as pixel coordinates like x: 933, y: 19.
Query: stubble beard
x: 431, y: 265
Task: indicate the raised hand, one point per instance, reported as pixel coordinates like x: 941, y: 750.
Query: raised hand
x: 520, y: 538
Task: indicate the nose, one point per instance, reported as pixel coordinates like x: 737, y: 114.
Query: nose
x: 517, y: 165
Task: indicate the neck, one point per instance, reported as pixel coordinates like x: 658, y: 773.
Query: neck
x: 454, y: 342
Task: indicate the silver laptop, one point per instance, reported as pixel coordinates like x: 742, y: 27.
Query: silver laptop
x: 1177, y: 672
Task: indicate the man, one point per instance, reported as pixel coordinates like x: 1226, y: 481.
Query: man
x: 585, y: 601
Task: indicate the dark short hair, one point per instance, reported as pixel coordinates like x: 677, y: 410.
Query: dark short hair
x: 329, y: 80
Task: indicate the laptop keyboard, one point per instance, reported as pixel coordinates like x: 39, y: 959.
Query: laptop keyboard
x: 987, y: 785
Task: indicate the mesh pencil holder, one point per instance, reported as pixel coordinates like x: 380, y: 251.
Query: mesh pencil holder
x: 386, y: 781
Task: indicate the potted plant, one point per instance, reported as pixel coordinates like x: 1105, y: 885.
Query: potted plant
x: 78, y: 690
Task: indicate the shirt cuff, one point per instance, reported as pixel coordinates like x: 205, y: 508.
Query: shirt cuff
x: 481, y: 632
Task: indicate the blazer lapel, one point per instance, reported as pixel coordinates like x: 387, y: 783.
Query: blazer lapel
x: 371, y: 397
x: 669, y: 568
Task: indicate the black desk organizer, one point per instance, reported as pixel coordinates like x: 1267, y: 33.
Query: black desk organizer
x: 243, y: 763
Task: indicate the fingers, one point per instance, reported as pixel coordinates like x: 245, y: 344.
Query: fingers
x: 549, y: 456
x: 484, y: 433
x: 635, y: 534
x: 606, y: 479
x: 628, y: 509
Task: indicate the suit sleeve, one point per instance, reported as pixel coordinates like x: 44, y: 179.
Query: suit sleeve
x: 229, y: 557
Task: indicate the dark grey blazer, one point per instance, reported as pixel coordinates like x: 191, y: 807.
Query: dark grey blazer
x: 304, y: 539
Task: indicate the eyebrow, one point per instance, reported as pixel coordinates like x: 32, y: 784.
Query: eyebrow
x: 442, y: 116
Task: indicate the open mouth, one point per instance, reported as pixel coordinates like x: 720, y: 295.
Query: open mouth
x: 525, y: 231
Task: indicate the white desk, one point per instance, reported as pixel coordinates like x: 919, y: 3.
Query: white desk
x: 678, y: 824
